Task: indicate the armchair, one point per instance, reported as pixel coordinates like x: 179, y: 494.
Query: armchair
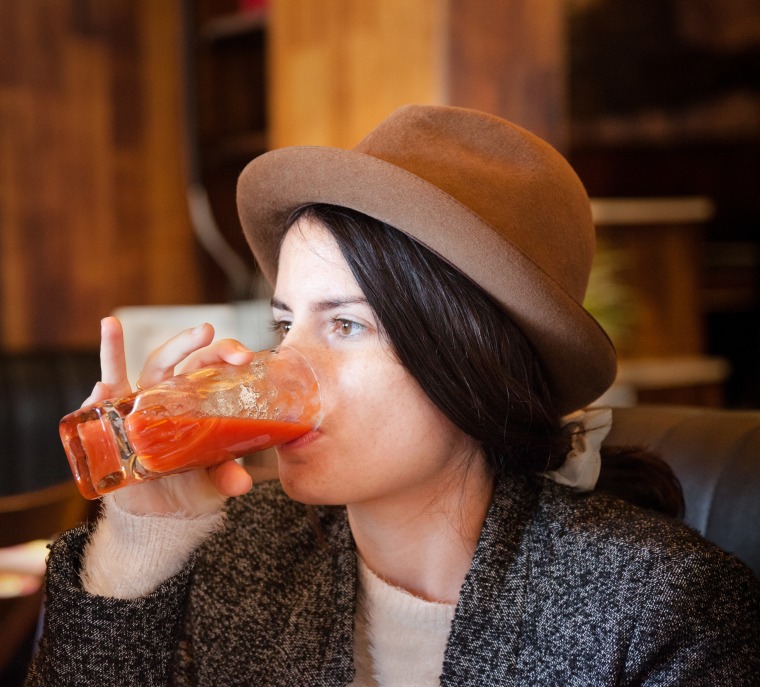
x: 716, y: 456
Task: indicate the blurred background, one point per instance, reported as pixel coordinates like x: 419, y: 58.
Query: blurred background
x: 124, y: 125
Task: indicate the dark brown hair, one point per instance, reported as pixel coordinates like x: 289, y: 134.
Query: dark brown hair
x: 472, y: 361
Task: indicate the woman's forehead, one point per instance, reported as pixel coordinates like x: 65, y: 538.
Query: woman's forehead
x: 310, y: 259
x: 308, y: 241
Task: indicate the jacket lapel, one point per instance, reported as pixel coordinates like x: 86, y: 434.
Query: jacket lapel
x: 484, y: 640
x: 317, y: 645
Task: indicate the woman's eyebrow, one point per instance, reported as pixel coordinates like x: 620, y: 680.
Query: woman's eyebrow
x: 332, y: 304
x: 322, y: 306
x: 277, y: 304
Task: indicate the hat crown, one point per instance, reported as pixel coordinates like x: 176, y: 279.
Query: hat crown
x: 514, y: 181
x: 498, y: 203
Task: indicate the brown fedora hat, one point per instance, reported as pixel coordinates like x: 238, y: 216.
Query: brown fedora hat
x: 495, y: 201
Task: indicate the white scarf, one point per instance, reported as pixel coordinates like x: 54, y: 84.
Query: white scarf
x: 582, y: 465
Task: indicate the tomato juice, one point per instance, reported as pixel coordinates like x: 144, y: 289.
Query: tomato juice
x: 105, y: 455
x: 189, y: 441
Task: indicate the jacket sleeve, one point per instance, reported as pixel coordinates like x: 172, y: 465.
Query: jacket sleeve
x: 94, y: 640
x: 700, y: 626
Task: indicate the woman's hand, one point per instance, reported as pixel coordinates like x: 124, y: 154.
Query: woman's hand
x: 198, y: 491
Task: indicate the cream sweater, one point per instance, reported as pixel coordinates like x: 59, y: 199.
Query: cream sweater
x: 399, y: 638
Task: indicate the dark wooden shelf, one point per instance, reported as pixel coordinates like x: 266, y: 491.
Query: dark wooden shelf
x: 227, y: 114
x: 233, y: 25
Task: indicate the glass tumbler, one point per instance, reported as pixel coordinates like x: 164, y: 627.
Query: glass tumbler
x: 192, y: 420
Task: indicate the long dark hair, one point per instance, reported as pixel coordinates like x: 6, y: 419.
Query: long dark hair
x: 472, y: 361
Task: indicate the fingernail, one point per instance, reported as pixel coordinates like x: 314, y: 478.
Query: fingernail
x: 198, y: 329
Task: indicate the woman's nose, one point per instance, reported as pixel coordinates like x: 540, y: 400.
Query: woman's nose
x: 299, y: 339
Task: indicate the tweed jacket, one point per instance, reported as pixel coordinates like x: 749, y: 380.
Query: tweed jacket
x: 563, y: 590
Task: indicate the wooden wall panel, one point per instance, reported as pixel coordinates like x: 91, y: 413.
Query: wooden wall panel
x: 92, y: 210
x: 508, y: 58
x: 340, y: 66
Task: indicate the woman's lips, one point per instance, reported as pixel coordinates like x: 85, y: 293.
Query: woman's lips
x: 301, y: 441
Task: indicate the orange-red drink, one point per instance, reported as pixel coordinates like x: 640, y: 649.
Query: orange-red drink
x: 168, y: 444
x: 195, y: 420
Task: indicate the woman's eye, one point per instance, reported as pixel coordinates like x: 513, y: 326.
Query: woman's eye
x: 348, y: 328
x: 281, y: 328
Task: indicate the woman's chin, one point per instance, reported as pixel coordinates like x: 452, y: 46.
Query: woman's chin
x: 299, y: 491
x: 300, y: 482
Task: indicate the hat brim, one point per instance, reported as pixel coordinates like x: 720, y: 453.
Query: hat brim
x: 576, y: 354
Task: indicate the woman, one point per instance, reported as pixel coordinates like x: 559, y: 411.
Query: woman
x: 442, y: 525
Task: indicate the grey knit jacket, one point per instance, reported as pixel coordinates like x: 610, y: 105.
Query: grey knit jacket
x: 563, y: 590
